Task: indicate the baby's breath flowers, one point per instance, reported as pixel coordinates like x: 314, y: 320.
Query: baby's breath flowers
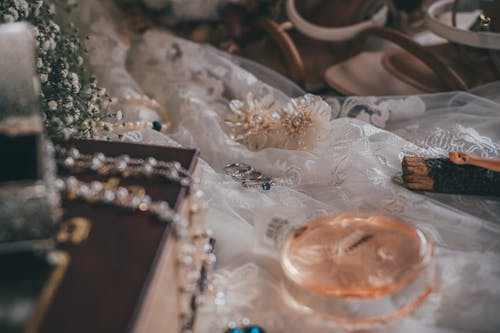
x: 71, y: 101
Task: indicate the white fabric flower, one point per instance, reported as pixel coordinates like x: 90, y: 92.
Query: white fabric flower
x: 253, y: 120
x: 261, y: 123
x: 305, y: 120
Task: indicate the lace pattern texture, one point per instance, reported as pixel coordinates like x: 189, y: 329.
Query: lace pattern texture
x: 354, y: 166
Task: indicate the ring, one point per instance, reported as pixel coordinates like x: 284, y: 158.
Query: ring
x: 248, y: 176
x: 251, y: 175
x: 256, y: 182
x: 237, y: 169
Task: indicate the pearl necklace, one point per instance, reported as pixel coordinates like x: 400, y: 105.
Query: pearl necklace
x: 125, y: 166
x: 121, y: 127
x: 138, y: 125
x: 134, y: 125
x: 119, y: 196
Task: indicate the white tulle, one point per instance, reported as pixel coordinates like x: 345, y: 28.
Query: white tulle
x: 355, y: 166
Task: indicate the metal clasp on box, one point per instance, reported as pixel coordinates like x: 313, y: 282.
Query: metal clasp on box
x: 75, y: 230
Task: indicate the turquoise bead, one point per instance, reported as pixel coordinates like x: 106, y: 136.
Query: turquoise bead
x: 157, y: 126
x: 254, y: 329
x: 266, y: 187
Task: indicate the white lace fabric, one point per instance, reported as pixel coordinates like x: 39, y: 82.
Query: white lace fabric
x: 353, y: 168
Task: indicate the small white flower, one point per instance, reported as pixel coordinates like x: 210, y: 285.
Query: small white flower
x: 14, y: 13
x: 66, y: 132
x: 8, y: 18
x: 56, y: 122
x: 119, y: 115
x: 52, y: 105
x: 55, y: 26
x: 68, y: 105
x: 23, y: 6
x: 105, y: 126
x: 46, y: 45
x: 93, y: 108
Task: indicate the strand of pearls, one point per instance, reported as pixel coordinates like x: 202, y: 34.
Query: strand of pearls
x: 141, y: 100
x: 72, y: 159
x: 134, y: 126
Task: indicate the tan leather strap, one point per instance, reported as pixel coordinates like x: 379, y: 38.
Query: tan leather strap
x: 443, y: 71
x: 292, y: 56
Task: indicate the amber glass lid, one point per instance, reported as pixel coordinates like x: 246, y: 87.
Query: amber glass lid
x: 357, y: 256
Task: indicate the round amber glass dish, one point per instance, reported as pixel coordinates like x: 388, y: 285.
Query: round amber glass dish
x: 358, y: 267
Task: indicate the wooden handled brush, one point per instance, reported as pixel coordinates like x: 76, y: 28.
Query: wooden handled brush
x: 461, y: 173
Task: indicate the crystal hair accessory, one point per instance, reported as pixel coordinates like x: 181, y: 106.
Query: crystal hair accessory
x: 358, y: 269
x: 261, y: 123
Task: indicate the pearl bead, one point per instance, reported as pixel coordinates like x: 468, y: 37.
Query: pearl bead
x: 121, y: 193
x: 96, y: 186
x: 152, y: 161
x: 148, y: 169
x: 69, y: 162
x: 73, y: 152
x: 121, y: 165
x: 109, y: 196
x: 96, y: 163
x: 124, y: 158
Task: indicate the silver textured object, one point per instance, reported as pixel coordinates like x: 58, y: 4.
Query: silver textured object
x: 28, y: 199
x: 19, y: 88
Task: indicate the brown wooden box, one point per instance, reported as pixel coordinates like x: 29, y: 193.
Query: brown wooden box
x: 122, y: 277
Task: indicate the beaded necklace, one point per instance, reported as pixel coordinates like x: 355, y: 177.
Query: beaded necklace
x: 71, y: 159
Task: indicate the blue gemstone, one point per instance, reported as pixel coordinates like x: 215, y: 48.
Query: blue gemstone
x: 157, y: 126
x: 254, y: 329
x: 266, y: 186
x: 234, y: 330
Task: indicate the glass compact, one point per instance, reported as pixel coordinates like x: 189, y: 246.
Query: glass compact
x: 358, y: 268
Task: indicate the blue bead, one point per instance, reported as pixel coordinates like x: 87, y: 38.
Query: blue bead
x: 254, y: 329
x: 157, y: 126
x: 266, y: 186
x: 234, y: 330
